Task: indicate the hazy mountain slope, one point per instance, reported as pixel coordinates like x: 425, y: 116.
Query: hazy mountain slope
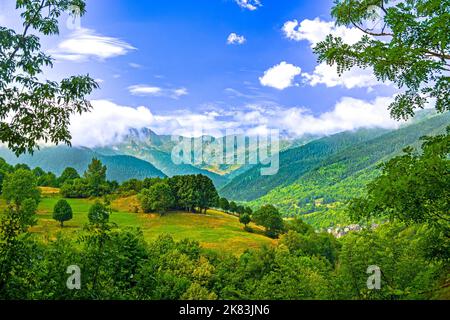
x: 56, y: 159
x: 293, y: 163
x: 163, y: 161
x: 343, y: 175
x: 157, y: 149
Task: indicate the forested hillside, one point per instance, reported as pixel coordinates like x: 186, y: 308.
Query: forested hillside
x: 157, y: 149
x: 56, y: 159
x: 163, y: 161
x: 293, y: 164
x: 343, y: 175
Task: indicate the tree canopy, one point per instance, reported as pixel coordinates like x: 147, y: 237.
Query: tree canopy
x: 405, y: 42
x: 19, y: 186
x: 269, y: 217
x: 158, y: 198
x: 34, y: 110
x: 414, y: 188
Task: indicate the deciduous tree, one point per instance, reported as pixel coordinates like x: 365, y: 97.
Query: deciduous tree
x: 405, y: 42
x: 62, y: 212
x: 32, y: 109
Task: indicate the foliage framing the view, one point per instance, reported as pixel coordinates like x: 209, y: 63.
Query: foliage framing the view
x: 405, y: 42
x: 33, y: 110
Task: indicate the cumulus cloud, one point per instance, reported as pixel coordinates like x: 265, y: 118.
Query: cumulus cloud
x: 145, y: 90
x: 84, y: 44
x: 280, y: 76
x: 107, y: 123
x: 234, y: 38
x: 251, y: 5
x: 314, y: 31
x: 328, y: 75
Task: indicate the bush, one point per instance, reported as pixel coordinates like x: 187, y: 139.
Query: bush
x: 75, y: 189
x: 98, y: 214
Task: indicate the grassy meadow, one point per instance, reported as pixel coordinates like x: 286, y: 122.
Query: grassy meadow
x: 215, y: 230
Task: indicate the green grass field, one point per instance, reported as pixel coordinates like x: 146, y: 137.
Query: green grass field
x: 215, y: 230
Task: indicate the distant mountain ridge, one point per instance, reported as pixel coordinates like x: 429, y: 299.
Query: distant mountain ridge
x: 143, y: 153
x: 56, y: 159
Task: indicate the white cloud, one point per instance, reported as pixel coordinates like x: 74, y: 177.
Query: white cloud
x: 180, y: 92
x: 144, y: 90
x: 251, y: 5
x: 280, y: 76
x: 135, y: 65
x: 84, y: 44
x: 234, y: 38
x: 109, y: 123
x: 316, y: 30
x: 328, y: 75
x: 348, y: 114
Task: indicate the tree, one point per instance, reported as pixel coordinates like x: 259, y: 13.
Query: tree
x: 95, y: 177
x: 49, y: 179
x: 414, y: 188
x: 68, y: 174
x: 38, y: 172
x: 224, y: 204
x: 245, y: 219
x: 299, y: 226
x: 240, y: 210
x: 22, y: 166
x: 270, y: 218
x: 73, y: 189
x: 19, y: 186
x: 233, y: 207
x: 207, y: 193
x: 27, y: 212
x: 132, y: 185
x: 98, y: 214
x: 62, y: 212
x: 405, y: 42
x: 158, y: 198
x: 4, y: 169
x: 34, y: 110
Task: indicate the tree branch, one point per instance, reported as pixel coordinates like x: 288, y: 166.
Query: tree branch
x: 438, y: 55
x: 375, y: 34
x: 25, y: 31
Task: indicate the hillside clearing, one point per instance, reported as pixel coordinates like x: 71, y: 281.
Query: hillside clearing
x: 215, y: 230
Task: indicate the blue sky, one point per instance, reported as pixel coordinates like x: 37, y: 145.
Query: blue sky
x: 173, y: 58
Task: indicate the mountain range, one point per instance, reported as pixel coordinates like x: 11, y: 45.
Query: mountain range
x: 316, y: 179
x: 315, y: 176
